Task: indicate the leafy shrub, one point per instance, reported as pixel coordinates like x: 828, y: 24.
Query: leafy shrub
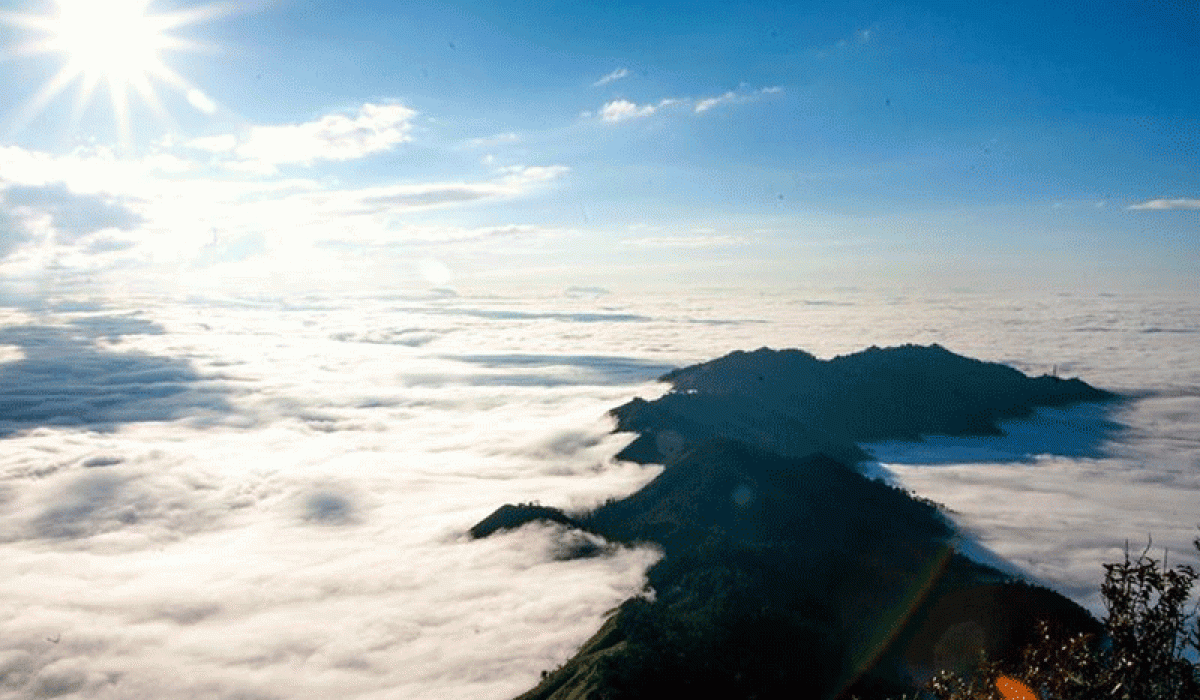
x: 1143, y: 655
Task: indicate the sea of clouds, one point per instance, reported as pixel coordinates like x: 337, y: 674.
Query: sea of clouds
x: 268, y: 498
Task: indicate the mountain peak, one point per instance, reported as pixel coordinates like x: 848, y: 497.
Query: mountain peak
x: 783, y: 566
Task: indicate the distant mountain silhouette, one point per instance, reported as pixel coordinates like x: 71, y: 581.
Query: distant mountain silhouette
x: 508, y: 517
x: 786, y: 573
x: 793, y: 403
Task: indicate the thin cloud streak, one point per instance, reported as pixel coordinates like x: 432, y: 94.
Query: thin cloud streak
x: 688, y: 242
x: 510, y: 182
x: 1167, y: 204
x: 859, y: 38
x: 611, y: 77
x: 496, y: 140
x: 734, y: 96
x: 620, y: 110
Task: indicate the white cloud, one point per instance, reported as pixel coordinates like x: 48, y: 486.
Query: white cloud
x: 95, y: 170
x: 232, y: 546
x: 14, y: 233
x: 1166, y: 204
x: 287, y: 235
x: 72, y: 215
x: 710, y: 102
x: 521, y: 175
x: 53, y: 215
x: 441, y: 235
x: 1076, y: 204
x: 305, y: 540
x: 513, y: 181
x: 734, y: 96
x: 615, y: 75
x: 222, y: 143
x: 860, y: 37
x: 620, y: 110
x: 64, y: 212
x: 334, y: 137
x: 200, y: 101
x: 692, y: 242
x: 496, y: 140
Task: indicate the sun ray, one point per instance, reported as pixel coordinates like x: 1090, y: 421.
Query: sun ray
x: 83, y: 96
x: 42, y: 98
x: 120, y: 106
x: 120, y: 43
x: 143, y: 87
x: 205, y: 13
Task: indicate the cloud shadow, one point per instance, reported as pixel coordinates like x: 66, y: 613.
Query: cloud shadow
x: 66, y: 377
x: 1082, y: 431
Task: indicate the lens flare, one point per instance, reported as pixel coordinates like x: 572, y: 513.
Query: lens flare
x: 1013, y: 689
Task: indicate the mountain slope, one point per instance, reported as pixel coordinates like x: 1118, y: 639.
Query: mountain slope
x: 786, y: 573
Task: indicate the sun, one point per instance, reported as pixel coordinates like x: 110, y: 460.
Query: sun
x: 117, y: 40
x: 120, y: 43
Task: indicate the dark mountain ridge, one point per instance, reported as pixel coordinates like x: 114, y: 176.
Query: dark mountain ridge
x: 796, y: 404
x: 786, y: 573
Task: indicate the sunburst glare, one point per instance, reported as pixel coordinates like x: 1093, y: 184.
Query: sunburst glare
x: 118, y: 42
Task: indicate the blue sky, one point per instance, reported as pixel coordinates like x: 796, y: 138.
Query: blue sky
x: 306, y: 143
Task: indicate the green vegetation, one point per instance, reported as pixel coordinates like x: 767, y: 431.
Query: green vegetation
x: 786, y: 573
x: 1142, y: 654
x: 785, y: 578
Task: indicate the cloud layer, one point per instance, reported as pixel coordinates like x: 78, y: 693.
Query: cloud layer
x: 231, y: 498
